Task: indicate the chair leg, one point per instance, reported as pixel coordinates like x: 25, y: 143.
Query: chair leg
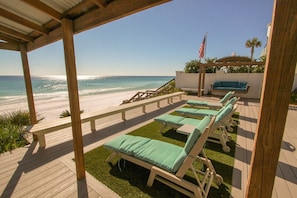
x: 111, y: 156
x: 151, y: 178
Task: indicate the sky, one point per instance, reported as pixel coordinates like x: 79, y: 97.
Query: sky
x: 155, y: 42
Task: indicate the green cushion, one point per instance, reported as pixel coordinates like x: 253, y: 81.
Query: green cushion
x: 197, y: 112
x: 126, y: 143
x: 226, y: 97
x: 231, y: 101
x: 197, y: 102
x: 204, y: 112
x: 187, y: 110
x: 227, y: 109
x: 162, y: 154
x: 190, y: 121
x: 194, y: 136
x: 169, y: 118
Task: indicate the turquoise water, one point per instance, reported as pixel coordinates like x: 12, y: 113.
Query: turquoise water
x: 12, y: 88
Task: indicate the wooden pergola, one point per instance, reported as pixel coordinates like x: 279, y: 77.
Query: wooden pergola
x: 26, y: 25
x: 230, y: 61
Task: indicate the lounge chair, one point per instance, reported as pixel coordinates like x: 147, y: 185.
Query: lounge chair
x: 184, y: 125
x: 168, y: 163
x: 219, y: 104
x: 194, y: 112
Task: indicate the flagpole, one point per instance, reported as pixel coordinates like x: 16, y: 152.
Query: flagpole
x: 205, y: 46
x: 201, y: 56
x: 203, y: 68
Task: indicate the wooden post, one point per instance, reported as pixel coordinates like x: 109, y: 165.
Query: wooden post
x: 203, y: 79
x: 28, y: 84
x: 67, y: 29
x: 199, y: 81
x: 277, y: 85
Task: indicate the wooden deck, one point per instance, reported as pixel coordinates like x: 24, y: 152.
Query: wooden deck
x: 50, y: 172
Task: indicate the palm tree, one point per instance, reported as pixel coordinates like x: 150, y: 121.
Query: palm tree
x: 252, y: 44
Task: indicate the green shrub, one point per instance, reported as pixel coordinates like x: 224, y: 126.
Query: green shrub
x: 11, y: 134
x: 294, y: 97
x: 67, y: 113
x: 11, y: 138
x: 18, y: 118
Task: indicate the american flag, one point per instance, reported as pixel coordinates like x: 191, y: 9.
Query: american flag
x: 202, y: 48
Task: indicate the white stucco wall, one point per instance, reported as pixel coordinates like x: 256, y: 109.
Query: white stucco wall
x: 255, y: 80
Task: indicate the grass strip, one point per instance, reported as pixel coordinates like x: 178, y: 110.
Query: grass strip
x: 130, y: 181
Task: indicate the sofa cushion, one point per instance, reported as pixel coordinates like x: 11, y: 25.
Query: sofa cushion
x: 230, y: 85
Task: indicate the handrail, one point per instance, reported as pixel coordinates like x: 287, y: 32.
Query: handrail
x: 164, y: 89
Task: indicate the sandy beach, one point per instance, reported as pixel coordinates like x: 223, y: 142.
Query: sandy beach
x: 51, y: 109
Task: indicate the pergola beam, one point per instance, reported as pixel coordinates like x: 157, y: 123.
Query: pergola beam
x: 22, y: 21
x: 9, y: 46
x: 277, y: 85
x: 8, y: 38
x: 69, y: 54
x: 116, y: 10
x: 100, y: 3
x: 28, y: 84
x: 97, y: 17
x: 16, y: 34
x: 45, y: 8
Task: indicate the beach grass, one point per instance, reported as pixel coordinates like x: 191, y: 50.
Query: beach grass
x: 129, y: 180
x: 11, y: 134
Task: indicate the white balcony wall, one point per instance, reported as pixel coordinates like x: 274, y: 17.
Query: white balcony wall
x: 189, y: 81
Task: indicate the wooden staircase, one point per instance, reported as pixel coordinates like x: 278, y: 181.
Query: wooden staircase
x: 167, y: 88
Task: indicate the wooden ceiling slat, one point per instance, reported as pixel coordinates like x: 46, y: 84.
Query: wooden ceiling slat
x: 43, y: 40
x: 8, y: 38
x: 116, y: 9
x: 22, y: 21
x: 9, y: 46
x: 80, y: 9
x: 100, y: 3
x: 16, y: 34
x: 45, y: 8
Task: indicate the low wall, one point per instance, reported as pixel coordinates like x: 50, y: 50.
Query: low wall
x: 255, y: 80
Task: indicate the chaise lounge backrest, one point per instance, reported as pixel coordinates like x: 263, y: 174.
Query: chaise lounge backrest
x: 232, y: 101
x: 226, y: 97
x: 223, y: 112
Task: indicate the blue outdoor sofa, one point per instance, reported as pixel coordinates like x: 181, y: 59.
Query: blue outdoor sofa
x: 237, y: 86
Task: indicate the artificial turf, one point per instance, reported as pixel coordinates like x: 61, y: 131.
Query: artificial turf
x: 129, y: 180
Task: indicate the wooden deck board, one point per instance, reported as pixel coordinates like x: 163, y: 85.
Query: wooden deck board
x: 50, y: 172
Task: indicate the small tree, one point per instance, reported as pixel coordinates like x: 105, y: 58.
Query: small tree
x: 252, y: 44
x: 191, y: 66
x: 210, y: 69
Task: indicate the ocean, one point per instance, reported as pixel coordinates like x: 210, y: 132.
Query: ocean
x: 12, y: 88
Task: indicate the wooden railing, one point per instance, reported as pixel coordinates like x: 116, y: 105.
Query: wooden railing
x: 40, y: 129
x: 164, y: 89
